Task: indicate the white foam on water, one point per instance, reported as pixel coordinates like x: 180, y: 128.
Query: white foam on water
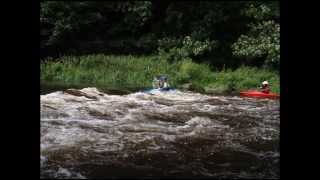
x: 63, y: 171
x: 113, y: 122
x: 66, y: 173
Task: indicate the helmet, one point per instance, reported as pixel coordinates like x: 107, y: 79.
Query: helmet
x: 265, y: 83
x: 163, y: 78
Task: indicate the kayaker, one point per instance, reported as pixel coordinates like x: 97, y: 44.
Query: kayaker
x: 265, y: 87
x: 164, y: 83
x: 160, y: 82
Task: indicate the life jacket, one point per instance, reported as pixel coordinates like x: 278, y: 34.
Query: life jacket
x: 266, y: 90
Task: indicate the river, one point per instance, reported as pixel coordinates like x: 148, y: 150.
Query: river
x: 90, y: 134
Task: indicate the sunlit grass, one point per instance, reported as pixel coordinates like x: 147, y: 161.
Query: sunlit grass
x: 125, y: 72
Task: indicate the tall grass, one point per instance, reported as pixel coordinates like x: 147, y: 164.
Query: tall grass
x: 127, y: 72
x: 244, y: 78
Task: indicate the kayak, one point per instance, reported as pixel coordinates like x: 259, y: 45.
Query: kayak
x: 152, y: 91
x: 258, y: 94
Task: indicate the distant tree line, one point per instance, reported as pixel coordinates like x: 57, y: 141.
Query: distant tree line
x: 220, y: 33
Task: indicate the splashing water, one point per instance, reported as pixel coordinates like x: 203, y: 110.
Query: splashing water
x: 89, y: 134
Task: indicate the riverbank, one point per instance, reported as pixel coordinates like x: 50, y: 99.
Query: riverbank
x: 131, y: 73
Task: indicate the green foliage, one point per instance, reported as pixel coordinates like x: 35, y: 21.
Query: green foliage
x: 101, y: 70
x: 263, y: 38
x: 137, y: 72
x: 188, y: 47
x: 64, y: 19
x: 220, y: 33
x: 94, y: 26
x: 244, y: 78
x: 137, y: 13
x: 193, y: 72
x: 262, y: 11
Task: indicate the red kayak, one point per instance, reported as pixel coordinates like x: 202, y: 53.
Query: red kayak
x: 258, y: 94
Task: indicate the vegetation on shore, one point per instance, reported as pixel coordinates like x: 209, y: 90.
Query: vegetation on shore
x: 132, y: 73
x: 229, y: 34
x: 208, y: 47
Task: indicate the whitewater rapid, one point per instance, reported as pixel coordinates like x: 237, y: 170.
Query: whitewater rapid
x: 90, y: 134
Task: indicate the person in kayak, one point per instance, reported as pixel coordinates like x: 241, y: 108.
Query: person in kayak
x: 265, y: 87
x: 161, y: 82
x: 164, y: 83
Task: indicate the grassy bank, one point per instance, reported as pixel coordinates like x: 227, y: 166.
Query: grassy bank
x: 132, y: 73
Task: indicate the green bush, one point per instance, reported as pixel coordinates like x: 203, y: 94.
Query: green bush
x: 179, y: 49
x: 194, y: 72
x: 263, y: 38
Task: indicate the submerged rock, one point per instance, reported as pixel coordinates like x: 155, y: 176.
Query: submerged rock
x: 76, y: 92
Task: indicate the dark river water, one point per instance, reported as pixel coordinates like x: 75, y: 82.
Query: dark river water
x: 90, y: 134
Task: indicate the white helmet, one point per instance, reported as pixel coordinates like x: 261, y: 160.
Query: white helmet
x: 265, y: 82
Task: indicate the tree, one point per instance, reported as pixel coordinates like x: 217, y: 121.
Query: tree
x: 263, y: 38
x: 220, y: 33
